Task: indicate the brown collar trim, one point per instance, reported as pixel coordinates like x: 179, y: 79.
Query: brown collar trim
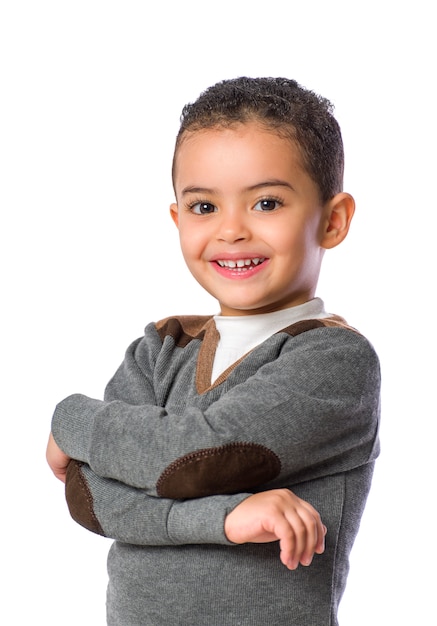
x: 186, y: 328
x: 205, y: 359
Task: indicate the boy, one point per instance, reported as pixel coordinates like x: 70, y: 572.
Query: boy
x: 220, y: 435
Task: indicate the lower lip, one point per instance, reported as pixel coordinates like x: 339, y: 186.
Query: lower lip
x: 234, y: 273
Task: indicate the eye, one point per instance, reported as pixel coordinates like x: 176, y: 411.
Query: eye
x: 203, y: 208
x: 267, y: 204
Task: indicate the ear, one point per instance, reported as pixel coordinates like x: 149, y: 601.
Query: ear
x: 174, y: 213
x: 339, y: 212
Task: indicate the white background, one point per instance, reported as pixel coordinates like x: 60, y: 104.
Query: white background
x: 91, y: 94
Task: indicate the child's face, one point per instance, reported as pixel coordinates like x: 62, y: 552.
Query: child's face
x: 250, y: 219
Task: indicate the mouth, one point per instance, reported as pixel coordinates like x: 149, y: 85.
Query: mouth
x: 240, y: 265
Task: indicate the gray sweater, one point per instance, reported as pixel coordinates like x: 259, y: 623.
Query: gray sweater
x: 166, y: 456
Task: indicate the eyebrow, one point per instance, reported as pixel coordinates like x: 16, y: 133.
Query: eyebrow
x: 274, y: 182
x: 267, y: 183
x: 197, y: 190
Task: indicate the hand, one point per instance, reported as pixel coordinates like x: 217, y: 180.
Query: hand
x: 279, y: 515
x: 57, y: 459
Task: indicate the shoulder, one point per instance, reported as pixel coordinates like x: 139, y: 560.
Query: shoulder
x: 328, y: 341
x: 332, y: 329
x: 183, y: 328
x: 333, y: 321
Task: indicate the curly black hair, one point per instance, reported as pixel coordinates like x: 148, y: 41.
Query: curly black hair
x: 280, y: 105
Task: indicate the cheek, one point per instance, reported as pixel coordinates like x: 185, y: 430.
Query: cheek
x: 294, y: 243
x: 287, y: 241
x: 192, y: 243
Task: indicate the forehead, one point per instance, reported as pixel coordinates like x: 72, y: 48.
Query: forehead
x: 236, y: 146
x: 239, y: 129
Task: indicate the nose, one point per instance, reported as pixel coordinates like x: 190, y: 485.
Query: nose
x: 233, y: 226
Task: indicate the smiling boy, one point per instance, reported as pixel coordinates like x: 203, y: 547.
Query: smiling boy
x: 221, y: 435
x: 243, y: 196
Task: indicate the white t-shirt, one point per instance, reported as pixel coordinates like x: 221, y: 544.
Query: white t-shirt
x: 241, y: 333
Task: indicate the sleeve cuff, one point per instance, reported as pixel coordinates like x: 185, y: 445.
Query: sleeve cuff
x: 202, y: 519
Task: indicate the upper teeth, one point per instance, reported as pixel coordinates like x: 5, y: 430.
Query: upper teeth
x: 239, y: 262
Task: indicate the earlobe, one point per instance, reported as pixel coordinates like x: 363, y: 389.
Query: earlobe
x: 174, y: 213
x: 339, y: 213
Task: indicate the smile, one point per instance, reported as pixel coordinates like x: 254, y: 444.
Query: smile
x: 240, y: 264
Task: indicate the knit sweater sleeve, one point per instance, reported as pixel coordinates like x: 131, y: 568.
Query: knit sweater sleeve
x: 310, y: 411
x: 115, y: 510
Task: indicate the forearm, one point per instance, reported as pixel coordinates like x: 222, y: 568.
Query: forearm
x: 127, y: 514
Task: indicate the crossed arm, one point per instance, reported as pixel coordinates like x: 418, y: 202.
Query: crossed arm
x: 122, y: 486
x: 276, y: 515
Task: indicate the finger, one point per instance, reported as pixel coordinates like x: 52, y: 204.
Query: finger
x: 321, y: 543
x: 305, y: 527
x: 292, y: 533
x: 315, y: 533
x: 60, y: 474
x: 280, y: 528
x: 287, y: 544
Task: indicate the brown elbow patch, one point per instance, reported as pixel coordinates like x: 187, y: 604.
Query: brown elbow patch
x: 232, y: 468
x: 79, y: 499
